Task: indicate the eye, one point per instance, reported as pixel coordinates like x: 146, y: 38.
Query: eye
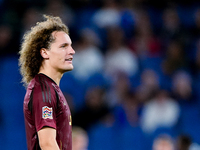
x: 63, y: 45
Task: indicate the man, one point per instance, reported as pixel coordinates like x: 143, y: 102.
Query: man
x: 80, y: 138
x: 163, y: 142
x: 46, y: 54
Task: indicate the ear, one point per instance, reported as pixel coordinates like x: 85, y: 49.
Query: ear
x: 44, y: 53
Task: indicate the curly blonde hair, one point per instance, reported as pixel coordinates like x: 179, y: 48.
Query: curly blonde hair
x: 40, y: 36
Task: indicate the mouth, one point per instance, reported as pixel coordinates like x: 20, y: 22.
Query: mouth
x: 69, y: 59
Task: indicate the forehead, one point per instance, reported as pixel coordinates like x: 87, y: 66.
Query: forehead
x: 61, y: 37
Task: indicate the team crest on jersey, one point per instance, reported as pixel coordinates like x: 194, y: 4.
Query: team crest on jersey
x: 47, y: 112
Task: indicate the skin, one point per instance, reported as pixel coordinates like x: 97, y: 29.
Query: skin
x: 57, y: 61
x: 47, y: 139
x: 163, y: 145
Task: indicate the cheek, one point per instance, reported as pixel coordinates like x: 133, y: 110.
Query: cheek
x: 58, y: 56
x: 61, y: 57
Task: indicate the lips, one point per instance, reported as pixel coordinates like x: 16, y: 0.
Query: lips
x: 69, y: 59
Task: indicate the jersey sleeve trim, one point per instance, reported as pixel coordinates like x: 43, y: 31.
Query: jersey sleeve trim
x: 38, y: 128
x: 45, y: 87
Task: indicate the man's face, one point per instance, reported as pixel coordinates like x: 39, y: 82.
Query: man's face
x: 61, y: 52
x: 163, y: 145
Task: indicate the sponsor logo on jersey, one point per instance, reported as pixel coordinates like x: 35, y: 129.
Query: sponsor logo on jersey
x: 47, y: 113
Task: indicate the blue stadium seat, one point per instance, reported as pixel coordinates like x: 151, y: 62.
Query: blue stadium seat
x: 102, y: 137
x: 12, y: 94
x: 190, y: 122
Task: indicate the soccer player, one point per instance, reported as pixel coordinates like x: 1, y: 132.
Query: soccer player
x: 45, y: 55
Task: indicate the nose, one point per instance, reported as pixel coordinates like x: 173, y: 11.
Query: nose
x: 72, y: 51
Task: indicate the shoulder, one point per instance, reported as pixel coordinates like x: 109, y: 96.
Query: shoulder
x: 42, y: 81
x: 44, y: 88
x: 44, y: 92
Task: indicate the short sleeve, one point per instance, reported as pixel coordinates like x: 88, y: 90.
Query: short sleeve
x: 44, y: 106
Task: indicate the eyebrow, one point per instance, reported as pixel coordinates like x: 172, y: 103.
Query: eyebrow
x: 64, y: 44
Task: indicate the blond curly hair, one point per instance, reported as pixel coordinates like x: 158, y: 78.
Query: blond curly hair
x: 40, y: 36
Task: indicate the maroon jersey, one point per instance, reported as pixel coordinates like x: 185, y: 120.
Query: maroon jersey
x: 46, y: 106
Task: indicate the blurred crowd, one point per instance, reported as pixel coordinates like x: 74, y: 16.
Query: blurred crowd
x: 136, y: 78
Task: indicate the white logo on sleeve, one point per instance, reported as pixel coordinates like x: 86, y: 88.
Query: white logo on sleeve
x: 47, y: 112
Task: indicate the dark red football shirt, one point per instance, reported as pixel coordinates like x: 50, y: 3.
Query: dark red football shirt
x: 45, y: 105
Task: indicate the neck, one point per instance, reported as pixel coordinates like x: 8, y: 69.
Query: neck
x: 54, y: 75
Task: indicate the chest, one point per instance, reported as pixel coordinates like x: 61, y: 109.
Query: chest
x: 63, y: 110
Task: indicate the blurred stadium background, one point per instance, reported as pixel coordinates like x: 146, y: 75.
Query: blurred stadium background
x: 136, y: 76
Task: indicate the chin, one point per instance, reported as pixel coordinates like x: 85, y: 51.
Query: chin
x: 69, y: 69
